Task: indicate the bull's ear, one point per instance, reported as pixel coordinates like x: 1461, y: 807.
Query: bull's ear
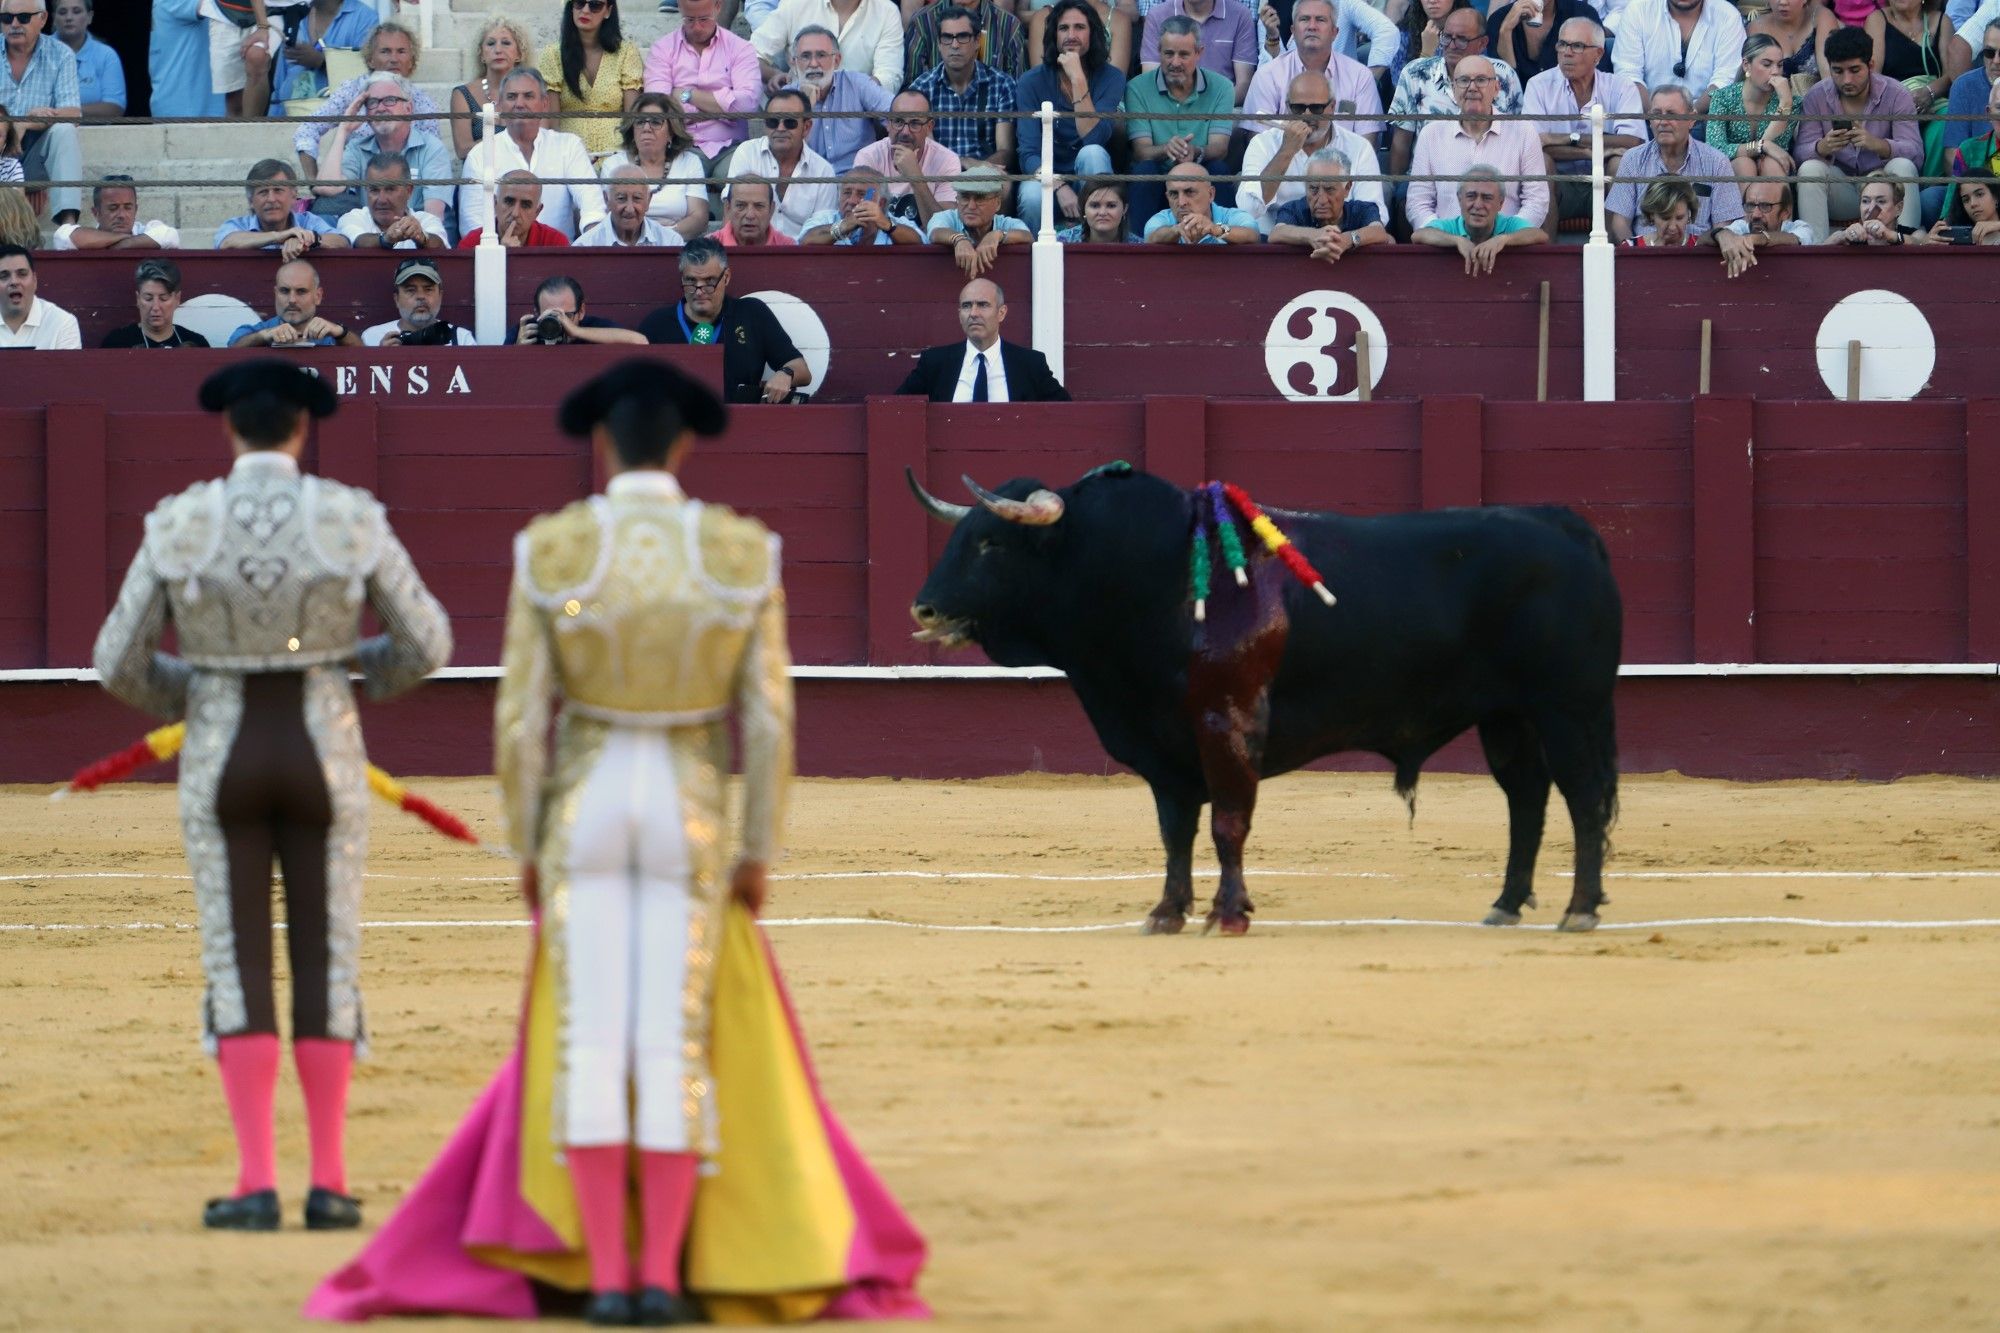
x: 936, y: 508
x: 1040, y: 509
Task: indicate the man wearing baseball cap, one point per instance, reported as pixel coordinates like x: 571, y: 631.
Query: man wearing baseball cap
x: 419, y: 318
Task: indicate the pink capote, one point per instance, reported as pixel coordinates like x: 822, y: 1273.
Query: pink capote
x: 420, y: 1263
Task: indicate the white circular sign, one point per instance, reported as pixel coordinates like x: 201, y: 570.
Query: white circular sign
x: 1312, y: 352
x: 1898, y: 349
x: 803, y: 326
x: 214, y: 316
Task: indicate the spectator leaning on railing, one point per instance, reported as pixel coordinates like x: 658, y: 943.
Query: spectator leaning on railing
x: 1451, y: 147
x: 976, y: 229
x: 1766, y: 222
x: 1673, y: 152
x: 1881, y: 203
x: 961, y: 83
x: 25, y: 319
x: 1192, y: 216
x: 297, y: 295
x: 274, y: 219
x: 1667, y: 209
x: 385, y: 219
x: 525, y: 143
x: 114, y: 207
x: 780, y: 154
x: 1274, y: 164
x: 1975, y: 215
x: 38, y: 83
x: 157, y: 292
x: 517, y: 212
x: 628, y: 193
x: 1848, y: 129
x: 862, y: 217
x: 1327, y: 222
x: 1481, y: 228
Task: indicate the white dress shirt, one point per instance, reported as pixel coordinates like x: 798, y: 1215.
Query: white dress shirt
x: 796, y: 203
x: 871, y: 43
x: 1549, y: 94
x: 1361, y: 161
x: 996, y: 374
x: 602, y: 233
x: 567, y: 208
x: 167, y: 238
x: 49, y: 328
x: 358, y: 222
x: 1649, y: 46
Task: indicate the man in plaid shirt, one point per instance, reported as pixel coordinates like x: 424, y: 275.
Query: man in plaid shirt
x: 38, y: 82
x: 963, y: 83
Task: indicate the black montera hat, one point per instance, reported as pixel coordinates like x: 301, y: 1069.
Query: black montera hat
x: 648, y: 386
x: 281, y: 380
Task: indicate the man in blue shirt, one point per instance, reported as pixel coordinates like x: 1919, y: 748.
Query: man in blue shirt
x: 177, y: 61
x: 1327, y: 221
x: 274, y: 219
x: 1077, y: 76
x: 862, y: 218
x: 38, y: 83
x: 298, y: 322
x: 100, y: 75
x: 1192, y: 216
x: 816, y: 66
x: 299, y: 73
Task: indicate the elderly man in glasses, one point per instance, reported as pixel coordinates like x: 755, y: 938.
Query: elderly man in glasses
x: 1696, y: 44
x: 829, y: 88
x: 1673, y: 152
x: 1274, y: 165
x: 1564, y: 96
x: 1451, y: 148
x: 781, y: 153
x: 1425, y: 89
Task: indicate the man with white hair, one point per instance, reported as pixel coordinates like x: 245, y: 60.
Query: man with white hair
x: 1327, y: 222
x: 629, y: 192
x: 1480, y: 228
x: 1450, y: 148
x: 527, y: 144
x: 829, y: 88
x: 1673, y: 152
x: 38, y: 83
x: 1312, y: 52
x: 385, y: 99
x: 1564, y: 95
x: 1274, y: 165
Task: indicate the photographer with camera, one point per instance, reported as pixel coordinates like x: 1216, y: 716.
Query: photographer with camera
x: 559, y: 317
x: 419, y: 318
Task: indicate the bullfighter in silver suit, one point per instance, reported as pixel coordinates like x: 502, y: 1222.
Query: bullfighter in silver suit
x: 264, y: 575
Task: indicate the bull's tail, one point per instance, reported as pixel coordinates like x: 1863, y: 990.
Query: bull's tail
x: 1407, y: 773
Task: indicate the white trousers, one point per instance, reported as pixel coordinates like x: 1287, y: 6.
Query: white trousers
x: 627, y: 1035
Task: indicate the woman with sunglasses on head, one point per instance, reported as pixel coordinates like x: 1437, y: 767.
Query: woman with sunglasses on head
x: 1751, y: 119
x: 504, y: 46
x: 656, y: 141
x: 1800, y: 27
x: 593, y: 70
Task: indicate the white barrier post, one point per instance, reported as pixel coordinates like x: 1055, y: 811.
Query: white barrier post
x: 1046, y: 255
x: 427, y: 22
x: 489, y: 257
x: 1600, y: 292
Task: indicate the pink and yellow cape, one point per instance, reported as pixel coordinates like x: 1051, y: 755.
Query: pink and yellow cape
x: 789, y: 1221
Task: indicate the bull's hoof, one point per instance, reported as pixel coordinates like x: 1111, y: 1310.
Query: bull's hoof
x: 1158, y: 924
x: 1578, y: 922
x: 1500, y: 916
x: 1227, y: 924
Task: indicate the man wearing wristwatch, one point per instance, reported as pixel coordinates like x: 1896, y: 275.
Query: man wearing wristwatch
x: 1564, y: 95
x: 298, y: 322
x: 862, y: 218
x: 273, y: 221
x: 710, y: 70
x: 751, y: 338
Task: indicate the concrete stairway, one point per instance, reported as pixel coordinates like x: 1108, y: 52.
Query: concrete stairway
x: 226, y: 152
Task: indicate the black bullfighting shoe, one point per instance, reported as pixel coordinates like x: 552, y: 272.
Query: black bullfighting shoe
x: 328, y: 1211
x: 255, y: 1211
x: 609, y: 1309
x: 659, y: 1308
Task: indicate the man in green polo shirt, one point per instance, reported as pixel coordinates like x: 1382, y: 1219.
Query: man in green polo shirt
x: 1180, y: 86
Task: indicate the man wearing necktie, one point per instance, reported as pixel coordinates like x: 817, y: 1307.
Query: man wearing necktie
x: 983, y: 369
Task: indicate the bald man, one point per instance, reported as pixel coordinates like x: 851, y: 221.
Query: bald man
x: 983, y: 369
x: 1192, y: 217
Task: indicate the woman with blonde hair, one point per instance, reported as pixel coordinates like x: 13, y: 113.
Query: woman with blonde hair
x: 594, y: 68
x: 504, y: 46
x: 18, y: 223
x: 1750, y: 121
x: 656, y: 141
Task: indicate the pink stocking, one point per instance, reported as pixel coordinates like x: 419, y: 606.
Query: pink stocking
x: 599, y: 1174
x: 324, y: 1069
x: 666, y: 1197
x: 249, y: 1068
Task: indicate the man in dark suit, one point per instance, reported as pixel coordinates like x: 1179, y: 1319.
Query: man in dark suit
x: 982, y: 369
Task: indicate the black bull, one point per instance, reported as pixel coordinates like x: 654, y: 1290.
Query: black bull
x: 1503, y: 618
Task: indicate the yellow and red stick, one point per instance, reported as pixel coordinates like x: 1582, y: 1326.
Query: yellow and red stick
x: 164, y: 743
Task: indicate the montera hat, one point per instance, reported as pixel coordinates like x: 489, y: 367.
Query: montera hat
x: 280, y: 380
x: 646, y: 387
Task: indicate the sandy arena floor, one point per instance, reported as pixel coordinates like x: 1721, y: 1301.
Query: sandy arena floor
x: 1683, y: 1126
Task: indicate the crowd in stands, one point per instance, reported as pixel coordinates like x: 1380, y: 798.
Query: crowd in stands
x: 869, y: 123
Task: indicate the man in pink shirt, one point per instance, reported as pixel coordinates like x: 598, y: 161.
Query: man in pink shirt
x: 1313, y: 23
x: 911, y: 151
x: 711, y: 70
x: 749, y: 204
x: 1449, y: 147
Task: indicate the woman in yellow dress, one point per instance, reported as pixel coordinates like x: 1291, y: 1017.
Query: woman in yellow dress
x: 593, y: 69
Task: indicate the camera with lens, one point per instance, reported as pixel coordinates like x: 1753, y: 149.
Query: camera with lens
x: 549, y: 328
x: 435, y: 334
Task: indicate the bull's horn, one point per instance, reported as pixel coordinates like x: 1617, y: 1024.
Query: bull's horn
x: 1038, y: 510
x: 936, y: 508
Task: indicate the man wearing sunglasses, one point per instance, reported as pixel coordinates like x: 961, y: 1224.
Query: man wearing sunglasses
x: 1274, y: 166
x: 751, y: 338
x: 1695, y: 44
x: 38, y: 83
x: 1425, y: 89
x: 782, y: 153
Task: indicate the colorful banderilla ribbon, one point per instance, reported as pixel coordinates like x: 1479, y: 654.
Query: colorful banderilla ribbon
x: 164, y: 743
x: 1212, y: 506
